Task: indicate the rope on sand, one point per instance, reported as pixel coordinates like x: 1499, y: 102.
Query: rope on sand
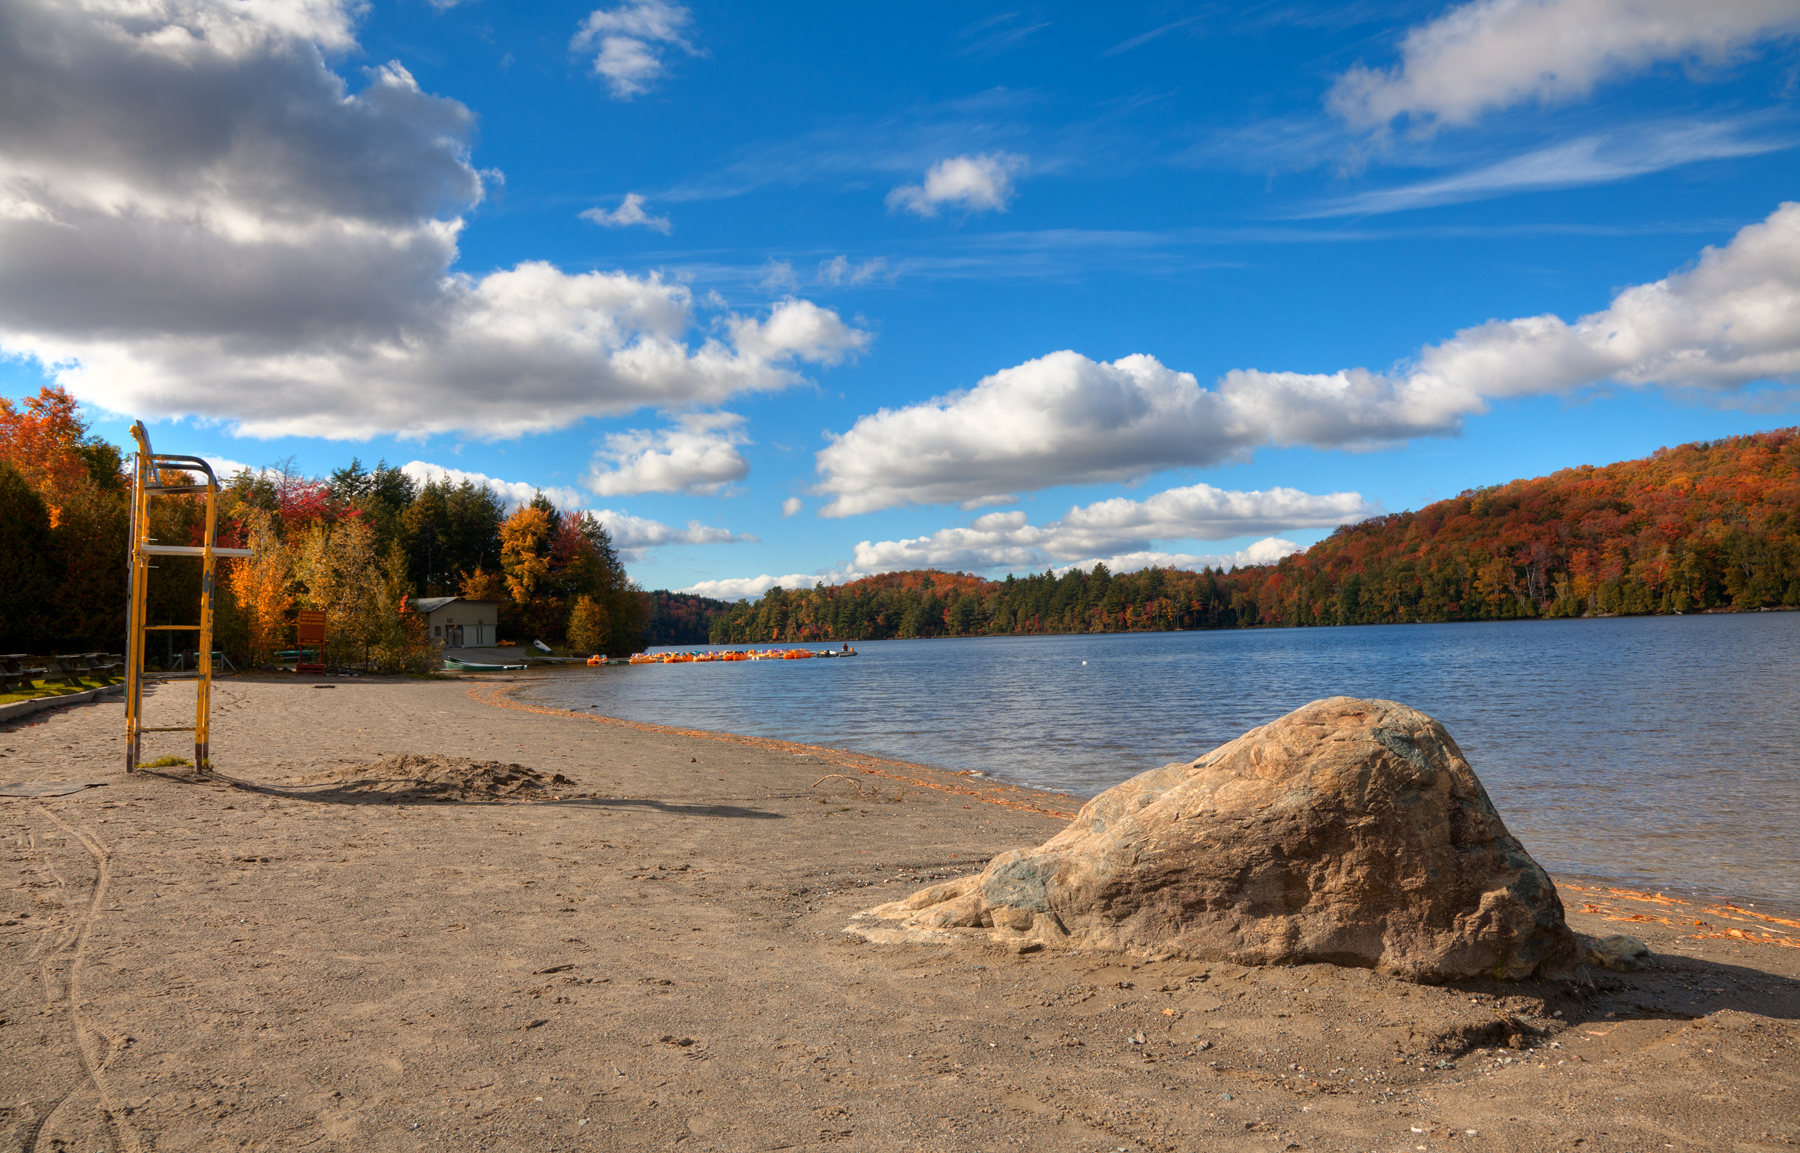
x: 500, y: 696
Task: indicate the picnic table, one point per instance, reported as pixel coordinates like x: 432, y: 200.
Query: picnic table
x: 70, y: 668
x: 15, y: 675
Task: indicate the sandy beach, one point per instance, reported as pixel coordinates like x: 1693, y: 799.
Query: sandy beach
x: 303, y: 952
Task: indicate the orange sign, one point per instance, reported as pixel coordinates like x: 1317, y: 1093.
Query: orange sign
x: 311, y: 627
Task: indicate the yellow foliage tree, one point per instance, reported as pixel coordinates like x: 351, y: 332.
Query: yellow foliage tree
x: 337, y: 567
x: 262, y: 584
x: 589, y: 625
x: 525, y: 552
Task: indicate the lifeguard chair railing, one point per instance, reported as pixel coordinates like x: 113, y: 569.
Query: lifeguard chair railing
x: 146, y: 482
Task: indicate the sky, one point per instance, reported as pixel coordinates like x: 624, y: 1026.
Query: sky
x: 801, y: 292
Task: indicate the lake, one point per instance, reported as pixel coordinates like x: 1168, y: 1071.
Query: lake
x: 1650, y: 751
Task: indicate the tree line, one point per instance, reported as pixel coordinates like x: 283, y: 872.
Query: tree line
x: 360, y: 544
x: 1709, y: 526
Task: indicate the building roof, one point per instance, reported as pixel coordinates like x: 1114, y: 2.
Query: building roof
x: 433, y: 604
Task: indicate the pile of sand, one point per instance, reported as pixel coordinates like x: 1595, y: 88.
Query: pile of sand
x: 439, y: 778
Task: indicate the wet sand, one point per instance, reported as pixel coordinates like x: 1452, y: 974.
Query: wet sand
x: 305, y: 954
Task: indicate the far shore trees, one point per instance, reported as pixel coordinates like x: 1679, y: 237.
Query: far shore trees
x: 1712, y: 526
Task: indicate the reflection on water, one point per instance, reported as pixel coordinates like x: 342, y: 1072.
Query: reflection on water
x: 1652, y: 750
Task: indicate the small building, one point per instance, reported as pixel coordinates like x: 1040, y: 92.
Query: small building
x: 455, y: 623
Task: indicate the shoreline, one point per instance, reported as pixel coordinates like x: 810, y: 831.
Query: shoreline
x: 312, y: 951
x: 1788, y: 905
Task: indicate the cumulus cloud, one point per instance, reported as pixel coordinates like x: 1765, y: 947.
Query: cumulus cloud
x: 1493, y: 54
x: 749, y: 588
x: 514, y: 492
x: 632, y: 39
x: 1113, y: 529
x: 225, y: 468
x: 962, y: 557
x: 1119, y: 533
x: 635, y: 537
x: 199, y: 218
x: 1730, y: 321
x: 1265, y: 551
x: 973, y: 183
x: 791, y: 505
x: 698, y: 455
x: 629, y: 213
x: 1066, y: 419
x: 797, y: 328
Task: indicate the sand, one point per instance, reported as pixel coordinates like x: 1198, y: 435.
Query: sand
x: 333, y: 947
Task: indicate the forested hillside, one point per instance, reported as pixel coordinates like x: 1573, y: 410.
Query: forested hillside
x: 1707, y: 526
x: 681, y: 618
x: 357, y: 544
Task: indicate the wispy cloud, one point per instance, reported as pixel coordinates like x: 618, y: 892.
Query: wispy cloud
x: 995, y: 34
x: 1601, y: 159
x: 1143, y: 38
x: 839, y: 270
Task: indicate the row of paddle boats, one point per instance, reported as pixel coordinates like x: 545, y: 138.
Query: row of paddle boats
x: 451, y: 664
x: 737, y: 655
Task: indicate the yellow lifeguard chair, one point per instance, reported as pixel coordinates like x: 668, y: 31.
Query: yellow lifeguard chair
x: 146, y: 482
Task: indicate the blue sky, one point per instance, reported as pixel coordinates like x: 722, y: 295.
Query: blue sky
x: 801, y: 292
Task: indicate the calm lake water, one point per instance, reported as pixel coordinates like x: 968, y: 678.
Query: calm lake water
x: 1656, y: 751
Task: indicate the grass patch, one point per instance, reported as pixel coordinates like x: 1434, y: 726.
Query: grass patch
x: 170, y: 762
x: 43, y: 689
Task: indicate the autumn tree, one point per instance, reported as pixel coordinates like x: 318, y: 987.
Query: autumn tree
x: 262, y: 585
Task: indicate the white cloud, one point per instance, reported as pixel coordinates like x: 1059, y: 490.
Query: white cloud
x: 972, y: 183
x: 203, y: 220
x: 797, y: 328
x: 225, y: 468
x: 1731, y: 320
x: 630, y: 212
x: 1066, y: 419
x: 515, y: 493
x: 839, y: 270
x: 1113, y: 528
x: 749, y: 588
x: 635, y: 536
x: 791, y: 505
x: 1493, y: 54
x: 1116, y: 532
x: 632, y: 39
x: 698, y: 455
x: 1265, y: 551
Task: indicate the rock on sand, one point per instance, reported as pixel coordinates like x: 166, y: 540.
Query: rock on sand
x: 1349, y: 831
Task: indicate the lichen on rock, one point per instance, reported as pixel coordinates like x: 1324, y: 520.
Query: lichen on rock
x: 1349, y: 831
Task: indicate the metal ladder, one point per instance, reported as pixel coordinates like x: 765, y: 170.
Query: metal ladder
x: 146, y: 482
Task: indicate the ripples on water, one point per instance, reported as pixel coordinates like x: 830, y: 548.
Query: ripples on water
x: 1659, y: 751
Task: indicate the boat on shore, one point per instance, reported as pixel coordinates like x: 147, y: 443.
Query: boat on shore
x: 452, y: 665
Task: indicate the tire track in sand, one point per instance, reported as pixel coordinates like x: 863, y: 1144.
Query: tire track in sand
x: 96, y: 1048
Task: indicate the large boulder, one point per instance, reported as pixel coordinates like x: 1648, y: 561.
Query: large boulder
x: 1349, y: 831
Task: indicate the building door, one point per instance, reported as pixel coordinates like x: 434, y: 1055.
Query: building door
x: 454, y: 634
